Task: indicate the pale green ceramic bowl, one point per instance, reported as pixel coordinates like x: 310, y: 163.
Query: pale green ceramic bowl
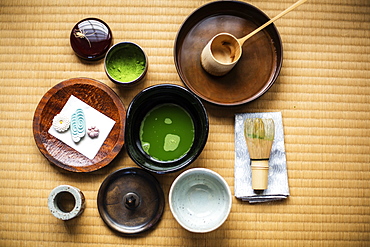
x: 200, y: 200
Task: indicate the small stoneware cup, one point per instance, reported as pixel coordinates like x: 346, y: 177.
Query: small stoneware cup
x: 66, y: 202
x: 126, y: 63
x: 221, y: 54
x: 200, y: 200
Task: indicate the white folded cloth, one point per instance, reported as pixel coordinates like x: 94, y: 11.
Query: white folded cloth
x: 278, y: 187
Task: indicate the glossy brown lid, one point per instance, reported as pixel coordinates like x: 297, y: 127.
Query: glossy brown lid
x: 130, y: 201
x: 258, y: 67
x: 91, y: 38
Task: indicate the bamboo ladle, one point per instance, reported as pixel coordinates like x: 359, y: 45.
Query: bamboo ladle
x: 224, y: 50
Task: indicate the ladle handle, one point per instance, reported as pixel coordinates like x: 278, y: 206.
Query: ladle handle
x: 242, y: 40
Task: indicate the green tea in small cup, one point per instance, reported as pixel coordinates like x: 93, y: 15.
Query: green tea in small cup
x: 126, y: 63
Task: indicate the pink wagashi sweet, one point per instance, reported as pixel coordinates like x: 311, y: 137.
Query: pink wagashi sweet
x: 93, y: 132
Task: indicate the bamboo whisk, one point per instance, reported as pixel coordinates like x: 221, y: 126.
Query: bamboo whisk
x: 259, y: 134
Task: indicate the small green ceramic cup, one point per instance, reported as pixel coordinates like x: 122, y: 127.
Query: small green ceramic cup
x: 126, y: 63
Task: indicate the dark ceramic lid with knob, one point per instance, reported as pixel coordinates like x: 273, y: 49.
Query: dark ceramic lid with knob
x: 130, y: 201
x: 91, y: 38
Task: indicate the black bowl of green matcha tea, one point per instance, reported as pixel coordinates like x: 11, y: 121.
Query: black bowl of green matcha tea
x: 126, y: 63
x: 166, y: 128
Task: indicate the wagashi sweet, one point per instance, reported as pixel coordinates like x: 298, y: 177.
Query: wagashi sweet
x: 93, y: 132
x: 61, y: 122
x: 78, y: 125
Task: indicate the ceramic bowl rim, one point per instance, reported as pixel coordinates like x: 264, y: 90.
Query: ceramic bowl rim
x: 209, y: 173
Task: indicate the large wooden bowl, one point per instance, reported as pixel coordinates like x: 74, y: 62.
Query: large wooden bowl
x: 97, y: 95
x: 255, y: 72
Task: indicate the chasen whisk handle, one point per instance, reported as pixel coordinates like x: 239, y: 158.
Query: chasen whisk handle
x: 260, y: 170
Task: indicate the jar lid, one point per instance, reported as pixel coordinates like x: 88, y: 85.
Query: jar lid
x: 91, y: 38
x: 130, y: 201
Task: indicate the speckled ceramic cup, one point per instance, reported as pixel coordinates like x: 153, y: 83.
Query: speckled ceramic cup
x: 200, y: 200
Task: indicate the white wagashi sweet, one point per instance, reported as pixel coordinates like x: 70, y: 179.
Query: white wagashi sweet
x: 61, y: 122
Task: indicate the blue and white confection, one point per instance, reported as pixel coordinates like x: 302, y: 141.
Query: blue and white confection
x: 78, y: 125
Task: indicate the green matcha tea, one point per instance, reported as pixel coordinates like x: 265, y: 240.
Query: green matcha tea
x: 167, y: 132
x: 126, y: 64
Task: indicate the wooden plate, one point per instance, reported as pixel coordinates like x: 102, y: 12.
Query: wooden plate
x: 98, y: 96
x: 258, y: 67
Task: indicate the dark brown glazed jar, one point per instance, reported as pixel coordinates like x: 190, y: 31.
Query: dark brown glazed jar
x: 91, y: 38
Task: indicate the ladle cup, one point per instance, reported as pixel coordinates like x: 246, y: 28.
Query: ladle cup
x: 224, y: 50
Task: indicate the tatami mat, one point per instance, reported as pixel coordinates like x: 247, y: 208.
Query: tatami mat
x: 323, y: 93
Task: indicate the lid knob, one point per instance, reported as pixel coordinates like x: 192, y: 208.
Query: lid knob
x: 131, y: 200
